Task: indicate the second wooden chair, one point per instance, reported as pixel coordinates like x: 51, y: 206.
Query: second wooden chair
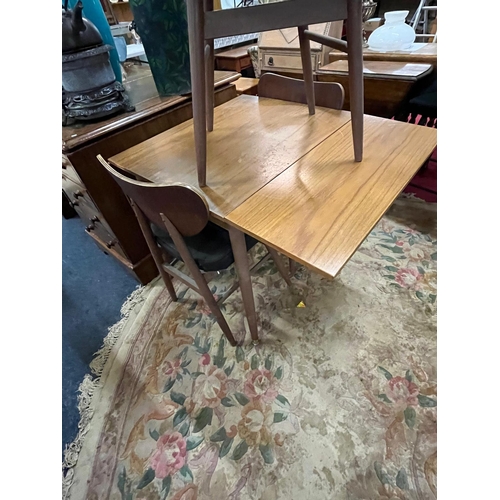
x: 174, y: 219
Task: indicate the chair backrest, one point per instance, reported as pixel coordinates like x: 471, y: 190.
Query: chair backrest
x: 183, y: 205
x: 326, y: 94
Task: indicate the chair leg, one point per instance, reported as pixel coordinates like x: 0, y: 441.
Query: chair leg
x: 195, y: 16
x: 241, y: 262
x: 279, y: 264
x: 209, y: 81
x: 209, y: 65
x: 355, y: 59
x: 305, y: 53
x: 198, y: 278
x: 155, y: 251
x: 292, y: 266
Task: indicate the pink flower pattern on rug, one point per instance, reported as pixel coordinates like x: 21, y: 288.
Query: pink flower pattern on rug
x: 170, y: 454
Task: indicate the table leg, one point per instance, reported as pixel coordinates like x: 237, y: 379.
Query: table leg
x: 355, y: 59
x: 242, y: 268
x: 279, y: 264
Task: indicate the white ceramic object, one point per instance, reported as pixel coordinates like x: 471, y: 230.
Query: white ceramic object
x: 394, y: 35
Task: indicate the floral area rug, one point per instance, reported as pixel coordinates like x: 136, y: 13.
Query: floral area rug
x: 338, y: 401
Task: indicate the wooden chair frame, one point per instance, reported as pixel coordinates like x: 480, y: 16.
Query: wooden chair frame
x: 205, y: 24
x: 198, y: 281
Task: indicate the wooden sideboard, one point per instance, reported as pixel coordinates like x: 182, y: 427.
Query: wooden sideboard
x: 106, y: 214
x: 386, y: 84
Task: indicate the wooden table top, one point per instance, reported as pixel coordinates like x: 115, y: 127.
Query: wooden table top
x: 385, y: 69
x: 253, y: 141
x: 290, y: 179
x: 142, y: 93
x: 321, y: 208
x: 421, y: 53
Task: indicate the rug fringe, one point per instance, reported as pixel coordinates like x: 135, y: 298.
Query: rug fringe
x: 91, y: 383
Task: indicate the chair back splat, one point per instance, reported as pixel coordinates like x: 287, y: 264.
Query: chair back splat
x: 182, y: 204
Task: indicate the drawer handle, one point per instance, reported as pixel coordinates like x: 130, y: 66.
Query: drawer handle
x: 270, y: 61
x: 90, y: 227
x: 95, y: 219
x: 110, y: 244
x: 77, y: 194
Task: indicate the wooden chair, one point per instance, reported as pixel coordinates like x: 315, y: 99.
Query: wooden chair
x: 205, y: 24
x: 174, y: 221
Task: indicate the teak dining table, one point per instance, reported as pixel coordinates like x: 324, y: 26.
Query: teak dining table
x: 289, y: 179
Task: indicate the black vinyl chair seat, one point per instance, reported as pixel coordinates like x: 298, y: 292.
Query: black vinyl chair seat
x: 210, y: 249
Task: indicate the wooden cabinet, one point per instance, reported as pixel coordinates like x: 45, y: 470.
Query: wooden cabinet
x: 105, y: 212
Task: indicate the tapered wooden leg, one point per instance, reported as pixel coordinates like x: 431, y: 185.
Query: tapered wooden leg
x: 209, y: 83
x: 198, y: 278
x: 305, y: 53
x: 279, y: 264
x: 209, y: 80
x: 155, y: 251
x: 355, y: 59
x: 241, y: 263
x: 196, y: 30
x: 292, y: 266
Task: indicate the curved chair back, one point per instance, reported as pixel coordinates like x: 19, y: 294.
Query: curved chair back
x: 183, y: 205
x: 326, y: 94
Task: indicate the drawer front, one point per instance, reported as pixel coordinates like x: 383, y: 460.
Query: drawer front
x: 97, y: 229
x: 289, y: 61
x: 74, y: 190
x: 89, y: 214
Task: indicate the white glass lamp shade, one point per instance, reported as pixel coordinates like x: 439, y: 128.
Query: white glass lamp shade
x: 394, y: 35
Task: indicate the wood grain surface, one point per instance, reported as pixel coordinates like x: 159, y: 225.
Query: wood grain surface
x: 320, y: 210
x: 254, y: 139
